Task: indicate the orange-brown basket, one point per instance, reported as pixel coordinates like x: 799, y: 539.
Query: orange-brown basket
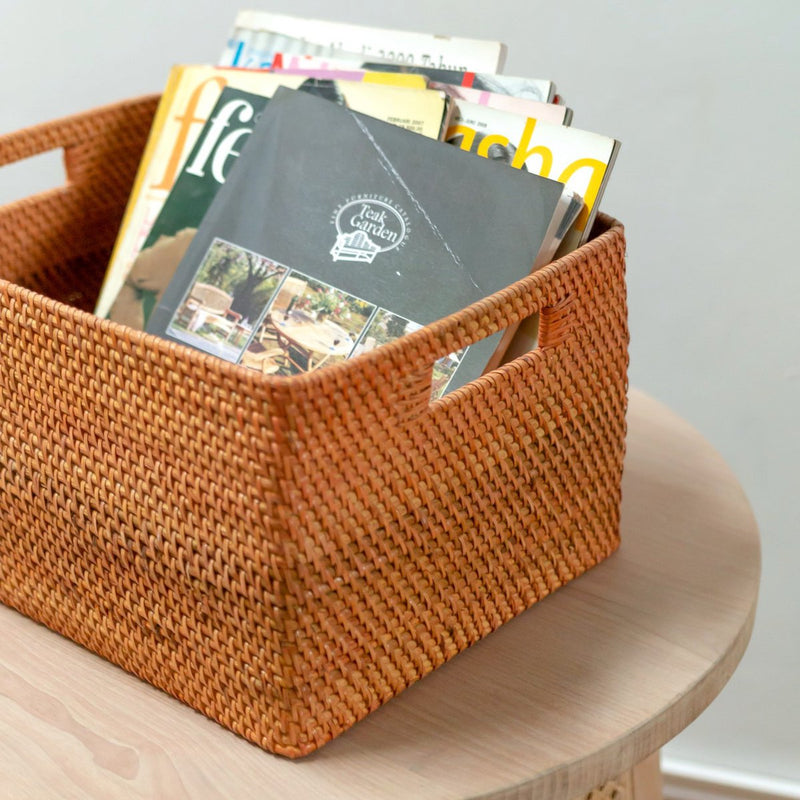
x: 286, y: 554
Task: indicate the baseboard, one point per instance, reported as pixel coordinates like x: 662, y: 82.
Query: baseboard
x: 685, y: 780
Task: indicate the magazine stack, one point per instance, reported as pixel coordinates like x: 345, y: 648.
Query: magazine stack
x: 327, y: 188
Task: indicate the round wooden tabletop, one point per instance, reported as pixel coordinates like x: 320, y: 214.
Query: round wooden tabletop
x: 572, y: 692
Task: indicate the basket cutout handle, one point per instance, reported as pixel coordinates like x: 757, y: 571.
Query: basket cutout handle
x: 72, y: 147
x: 45, y: 157
x: 38, y: 173
x: 522, y: 319
x: 542, y: 296
x: 550, y: 327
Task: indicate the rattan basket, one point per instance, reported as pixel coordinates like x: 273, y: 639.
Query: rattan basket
x: 286, y: 554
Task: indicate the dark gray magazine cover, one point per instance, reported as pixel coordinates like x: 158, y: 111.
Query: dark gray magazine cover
x: 336, y: 232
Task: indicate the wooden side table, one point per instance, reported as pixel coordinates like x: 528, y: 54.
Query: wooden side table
x: 583, y: 687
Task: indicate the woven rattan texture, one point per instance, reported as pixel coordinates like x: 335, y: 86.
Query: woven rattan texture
x: 286, y: 554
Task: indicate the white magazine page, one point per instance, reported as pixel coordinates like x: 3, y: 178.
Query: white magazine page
x: 259, y: 34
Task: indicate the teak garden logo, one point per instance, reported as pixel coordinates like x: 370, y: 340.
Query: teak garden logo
x: 366, y: 225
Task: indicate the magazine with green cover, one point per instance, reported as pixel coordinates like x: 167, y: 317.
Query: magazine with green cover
x: 335, y: 232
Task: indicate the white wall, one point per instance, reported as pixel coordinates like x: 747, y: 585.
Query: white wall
x: 703, y: 96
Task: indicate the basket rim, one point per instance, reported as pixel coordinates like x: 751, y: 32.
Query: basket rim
x: 410, y: 352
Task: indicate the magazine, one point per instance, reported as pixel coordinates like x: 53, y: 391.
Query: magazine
x: 258, y: 35
x: 581, y: 159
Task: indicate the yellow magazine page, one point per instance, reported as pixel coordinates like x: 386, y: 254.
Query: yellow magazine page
x: 108, y: 290
x: 390, y: 79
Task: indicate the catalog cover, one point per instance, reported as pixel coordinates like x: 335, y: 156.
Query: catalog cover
x: 257, y: 35
x: 189, y: 96
x: 581, y: 159
x: 221, y: 141
x: 335, y: 232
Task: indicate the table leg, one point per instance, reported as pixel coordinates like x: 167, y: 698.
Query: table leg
x: 647, y: 781
x: 643, y: 782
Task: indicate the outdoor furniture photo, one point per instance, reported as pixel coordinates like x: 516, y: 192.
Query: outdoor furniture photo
x: 314, y: 341
x: 209, y: 304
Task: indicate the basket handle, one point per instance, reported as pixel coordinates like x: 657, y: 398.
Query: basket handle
x: 69, y: 134
x: 538, y: 311
x: 534, y: 314
x: 63, y: 134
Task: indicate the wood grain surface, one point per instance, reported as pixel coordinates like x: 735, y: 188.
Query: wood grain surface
x: 576, y: 690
